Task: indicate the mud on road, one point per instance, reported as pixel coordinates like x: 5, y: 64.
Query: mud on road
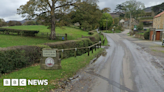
x: 129, y: 66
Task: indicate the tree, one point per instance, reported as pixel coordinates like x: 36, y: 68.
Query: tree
x: 140, y: 26
x: 2, y: 22
x: 106, y: 19
x: 31, y: 22
x: 47, y: 10
x: 158, y: 8
x: 131, y: 7
x: 115, y: 22
x: 18, y: 23
x: 119, y: 10
x: 87, y: 15
x: 106, y: 10
x: 11, y: 23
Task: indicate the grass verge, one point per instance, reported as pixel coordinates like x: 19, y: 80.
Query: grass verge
x: 109, y: 31
x: 15, y: 40
x: 69, y: 67
x: 106, y: 41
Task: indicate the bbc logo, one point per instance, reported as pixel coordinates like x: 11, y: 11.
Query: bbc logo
x: 24, y: 82
x: 14, y: 82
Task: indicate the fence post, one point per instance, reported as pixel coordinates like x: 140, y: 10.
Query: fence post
x: 88, y: 51
x: 62, y: 54
x: 66, y: 36
x: 75, y: 51
x: 92, y: 49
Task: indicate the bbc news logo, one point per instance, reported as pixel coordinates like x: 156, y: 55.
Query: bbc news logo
x: 24, y: 82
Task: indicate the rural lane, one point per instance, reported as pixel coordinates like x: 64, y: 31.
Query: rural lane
x: 128, y: 69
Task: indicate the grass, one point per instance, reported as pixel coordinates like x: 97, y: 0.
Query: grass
x: 109, y: 31
x: 69, y: 67
x: 157, y: 50
x: 73, y: 33
x: 106, y: 41
x: 14, y: 40
x: 10, y: 40
x: 141, y: 33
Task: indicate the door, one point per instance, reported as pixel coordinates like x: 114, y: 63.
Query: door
x: 157, y: 35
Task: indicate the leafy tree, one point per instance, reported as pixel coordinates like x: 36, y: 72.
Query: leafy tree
x: 115, y: 21
x: 158, y: 8
x: 2, y: 22
x: 18, y: 23
x: 131, y: 7
x: 47, y: 10
x: 106, y: 19
x: 140, y: 26
x: 106, y: 10
x: 119, y: 10
x: 11, y: 23
x: 87, y: 15
x: 30, y: 22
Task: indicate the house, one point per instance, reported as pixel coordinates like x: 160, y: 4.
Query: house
x: 114, y: 15
x: 158, y: 25
x: 147, y: 17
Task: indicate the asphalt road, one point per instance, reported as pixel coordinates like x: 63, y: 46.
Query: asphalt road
x: 127, y: 68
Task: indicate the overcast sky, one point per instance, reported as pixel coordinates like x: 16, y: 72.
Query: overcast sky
x: 8, y: 8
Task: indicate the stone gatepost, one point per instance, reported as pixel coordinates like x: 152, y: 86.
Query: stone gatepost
x: 50, y: 59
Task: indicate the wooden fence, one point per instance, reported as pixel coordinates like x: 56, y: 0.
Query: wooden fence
x: 47, y: 35
x: 88, y: 49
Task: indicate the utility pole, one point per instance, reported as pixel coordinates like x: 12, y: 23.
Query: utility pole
x: 130, y: 22
x: 106, y: 24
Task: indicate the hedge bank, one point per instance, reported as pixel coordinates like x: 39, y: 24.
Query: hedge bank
x: 17, y: 57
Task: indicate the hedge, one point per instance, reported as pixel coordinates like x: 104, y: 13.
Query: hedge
x: 146, y: 35
x: 18, y: 31
x: 17, y: 57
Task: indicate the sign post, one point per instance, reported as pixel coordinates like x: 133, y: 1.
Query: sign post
x: 50, y: 59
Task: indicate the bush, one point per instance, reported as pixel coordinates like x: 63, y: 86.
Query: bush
x: 119, y: 28
x: 146, y: 35
x: 140, y: 26
x: 17, y: 57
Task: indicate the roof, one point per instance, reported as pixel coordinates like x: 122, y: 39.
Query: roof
x: 159, y: 14
x: 122, y: 20
x: 148, y: 9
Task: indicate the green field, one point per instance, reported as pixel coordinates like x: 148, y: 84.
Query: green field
x: 15, y: 40
x: 69, y: 67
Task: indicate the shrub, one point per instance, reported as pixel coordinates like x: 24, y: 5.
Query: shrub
x: 119, y: 28
x: 146, y: 35
x: 17, y: 57
x: 140, y: 26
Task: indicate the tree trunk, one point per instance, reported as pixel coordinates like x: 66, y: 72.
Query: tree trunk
x: 53, y: 35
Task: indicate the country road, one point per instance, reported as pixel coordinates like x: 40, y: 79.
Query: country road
x: 130, y: 67
x: 125, y: 68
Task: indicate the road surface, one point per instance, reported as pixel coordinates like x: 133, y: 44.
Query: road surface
x: 130, y: 68
x: 125, y: 68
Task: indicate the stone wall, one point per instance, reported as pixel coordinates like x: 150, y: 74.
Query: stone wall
x: 139, y: 36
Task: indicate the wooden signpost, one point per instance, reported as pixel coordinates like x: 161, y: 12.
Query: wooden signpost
x: 50, y: 59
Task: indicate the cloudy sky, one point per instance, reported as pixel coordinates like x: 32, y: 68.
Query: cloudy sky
x: 8, y: 8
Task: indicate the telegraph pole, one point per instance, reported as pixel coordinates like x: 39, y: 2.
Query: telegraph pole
x: 130, y: 22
